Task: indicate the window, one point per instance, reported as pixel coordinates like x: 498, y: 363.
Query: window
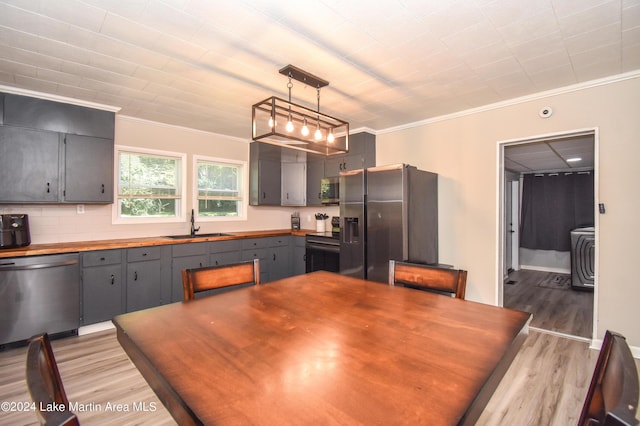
x: 220, y: 188
x: 150, y: 185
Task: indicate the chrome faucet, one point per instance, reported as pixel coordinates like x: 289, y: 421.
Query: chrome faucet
x: 193, y: 225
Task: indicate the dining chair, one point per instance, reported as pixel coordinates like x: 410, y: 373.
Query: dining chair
x: 430, y: 278
x: 45, y: 385
x: 613, y: 393
x: 213, y: 277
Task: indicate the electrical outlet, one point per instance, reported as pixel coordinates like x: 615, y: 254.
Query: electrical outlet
x: 80, y: 209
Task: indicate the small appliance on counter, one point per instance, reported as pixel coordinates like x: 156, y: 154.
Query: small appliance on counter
x: 295, y: 220
x: 14, y: 231
x: 335, y: 225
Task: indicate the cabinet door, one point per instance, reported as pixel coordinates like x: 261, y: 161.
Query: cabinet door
x: 279, y: 263
x: 88, y: 171
x: 269, y: 182
x: 28, y: 165
x: 101, y: 293
x: 143, y: 285
x: 298, y: 257
x: 315, y: 173
x: 334, y: 165
x: 294, y: 184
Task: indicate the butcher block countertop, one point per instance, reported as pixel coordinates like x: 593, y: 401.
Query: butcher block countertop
x: 78, y: 246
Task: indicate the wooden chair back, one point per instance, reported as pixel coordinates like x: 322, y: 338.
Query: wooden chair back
x: 209, y: 278
x: 45, y: 384
x: 431, y: 278
x: 612, y: 397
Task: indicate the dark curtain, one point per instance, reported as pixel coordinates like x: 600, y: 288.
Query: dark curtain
x: 552, y: 205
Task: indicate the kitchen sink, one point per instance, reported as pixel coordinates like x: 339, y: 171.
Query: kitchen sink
x: 186, y: 236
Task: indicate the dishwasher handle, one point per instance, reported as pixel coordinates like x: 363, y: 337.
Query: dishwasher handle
x: 13, y: 267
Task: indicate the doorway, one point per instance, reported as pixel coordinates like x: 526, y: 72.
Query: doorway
x: 539, y: 281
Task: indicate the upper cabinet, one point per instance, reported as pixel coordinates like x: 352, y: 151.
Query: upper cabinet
x: 264, y: 174
x: 55, y: 153
x: 287, y: 177
x: 362, y: 154
x: 41, y: 114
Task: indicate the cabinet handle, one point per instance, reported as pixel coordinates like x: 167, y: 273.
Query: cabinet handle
x: 102, y: 188
x: 274, y: 256
x: 264, y: 195
x: 304, y: 257
x: 102, y: 259
x: 216, y: 263
x: 113, y: 279
x: 144, y: 254
x: 201, y: 264
x: 48, y: 187
x: 135, y: 276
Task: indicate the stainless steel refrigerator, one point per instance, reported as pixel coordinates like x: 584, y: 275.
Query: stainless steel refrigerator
x: 388, y: 212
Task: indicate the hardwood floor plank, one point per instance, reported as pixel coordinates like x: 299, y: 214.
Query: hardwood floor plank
x: 565, y: 311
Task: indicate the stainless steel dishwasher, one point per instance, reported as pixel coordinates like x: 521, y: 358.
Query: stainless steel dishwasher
x: 38, y: 294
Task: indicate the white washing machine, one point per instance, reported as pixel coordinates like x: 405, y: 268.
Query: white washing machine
x: 583, y: 258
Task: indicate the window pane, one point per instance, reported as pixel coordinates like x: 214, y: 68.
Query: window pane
x: 148, y: 185
x: 219, y: 189
x: 148, y: 207
x: 213, y: 208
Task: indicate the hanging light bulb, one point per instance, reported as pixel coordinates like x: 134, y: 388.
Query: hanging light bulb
x: 330, y: 137
x: 289, y: 125
x: 318, y: 133
x: 271, y: 122
x: 305, y: 129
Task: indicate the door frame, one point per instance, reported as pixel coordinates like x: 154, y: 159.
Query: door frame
x: 501, y: 201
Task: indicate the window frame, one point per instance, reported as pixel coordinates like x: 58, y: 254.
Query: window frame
x: 181, y: 213
x: 243, y: 190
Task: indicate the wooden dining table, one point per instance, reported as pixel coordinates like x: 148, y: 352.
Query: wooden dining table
x: 323, y: 348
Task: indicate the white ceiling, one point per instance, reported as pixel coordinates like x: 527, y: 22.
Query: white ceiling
x: 203, y: 63
x: 551, y: 155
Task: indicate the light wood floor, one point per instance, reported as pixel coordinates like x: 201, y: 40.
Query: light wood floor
x: 564, y: 311
x: 545, y: 385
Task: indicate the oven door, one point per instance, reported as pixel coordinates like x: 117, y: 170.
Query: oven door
x: 322, y: 257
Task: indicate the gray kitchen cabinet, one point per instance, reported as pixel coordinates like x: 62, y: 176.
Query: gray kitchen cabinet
x: 278, y: 257
x: 42, y: 114
x: 294, y: 184
x: 315, y: 173
x: 103, y: 295
x: 186, y: 256
x: 55, y: 153
x: 144, y: 271
x: 264, y: 174
x: 225, y: 252
x: 362, y: 154
x: 298, y: 255
x: 29, y: 161
x: 256, y: 248
x: 88, y: 169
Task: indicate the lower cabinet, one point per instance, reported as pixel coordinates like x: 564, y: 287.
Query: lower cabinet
x: 185, y: 256
x: 143, y: 278
x: 103, y: 295
x: 125, y: 280
x: 278, y: 257
x: 298, y: 255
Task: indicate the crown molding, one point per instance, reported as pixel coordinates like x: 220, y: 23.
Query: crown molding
x: 57, y: 98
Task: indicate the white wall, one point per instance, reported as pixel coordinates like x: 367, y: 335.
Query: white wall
x: 463, y: 150
x: 62, y: 223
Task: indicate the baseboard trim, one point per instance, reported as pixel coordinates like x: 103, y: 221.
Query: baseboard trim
x: 546, y: 269
x: 94, y: 328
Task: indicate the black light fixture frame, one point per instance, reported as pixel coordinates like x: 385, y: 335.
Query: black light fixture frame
x: 277, y: 111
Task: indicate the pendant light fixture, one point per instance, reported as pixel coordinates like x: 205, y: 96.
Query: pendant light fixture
x: 281, y: 122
